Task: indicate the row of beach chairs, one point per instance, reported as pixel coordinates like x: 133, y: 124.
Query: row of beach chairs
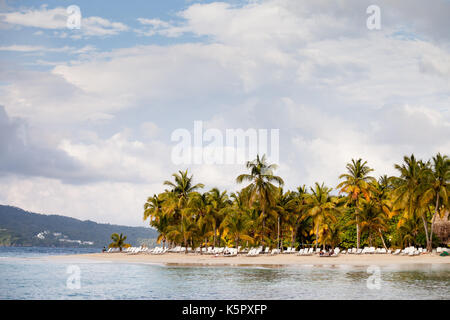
x: 251, y: 252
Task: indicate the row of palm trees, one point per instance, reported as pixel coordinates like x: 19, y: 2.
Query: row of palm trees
x: 389, y: 211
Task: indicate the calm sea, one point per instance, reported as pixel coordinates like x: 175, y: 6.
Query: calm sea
x: 27, y: 273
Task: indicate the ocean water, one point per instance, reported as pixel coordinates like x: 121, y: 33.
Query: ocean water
x: 28, y: 273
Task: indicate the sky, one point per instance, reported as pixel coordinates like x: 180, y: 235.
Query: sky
x: 86, y: 115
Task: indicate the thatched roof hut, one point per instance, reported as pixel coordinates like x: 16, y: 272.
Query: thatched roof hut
x: 442, y: 228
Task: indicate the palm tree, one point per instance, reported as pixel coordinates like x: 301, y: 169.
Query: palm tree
x: 437, y: 190
x: 203, y: 232
x: 409, y: 190
x: 181, y: 190
x: 153, y: 210
x: 219, y: 202
x: 183, y: 186
x: 298, y: 216
x: 408, y: 229
x: 381, y: 202
x: 357, y: 186
x: 161, y: 223
x: 373, y: 220
x: 261, y: 187
x: 183, y: 231
x: 118, y: 241
x: 330, y: 234
x: 152, y: 207
x: 321, y: 207
x: 283, y: 209
x: 237, y: 226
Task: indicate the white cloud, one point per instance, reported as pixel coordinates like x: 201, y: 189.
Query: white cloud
x: 56, y: 19
x: 336, y: 91
x: 104, y: 202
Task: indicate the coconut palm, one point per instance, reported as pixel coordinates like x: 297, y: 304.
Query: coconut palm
x: 330, y: 234
x: 203, y: 232
x: 237, y: 226
x: 182, y: 188
x: 219, y: 203
x: 320, y: 206
x: 284, y: 208
x: 298, y: 218
x: 409, y: 190
x: 373, y: 220
x: 261, y: 188
x: 182, y: 232
x: 118, y: 241
x: 436, y: 190
x: 356, y: 185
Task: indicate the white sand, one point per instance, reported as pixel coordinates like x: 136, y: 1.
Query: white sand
x: 281, y: 259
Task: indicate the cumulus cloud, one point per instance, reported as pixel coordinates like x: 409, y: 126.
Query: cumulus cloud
x: 56, y: 19
x: 21, y: 156
x: 335, y: 89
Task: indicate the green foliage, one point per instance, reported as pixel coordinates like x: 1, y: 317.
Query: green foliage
x: 389, y: 211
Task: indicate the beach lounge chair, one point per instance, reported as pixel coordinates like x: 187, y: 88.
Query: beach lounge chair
x: 267, y: 250
x: 228, y: 252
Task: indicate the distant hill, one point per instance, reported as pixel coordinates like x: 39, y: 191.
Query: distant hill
x: 23, y: 228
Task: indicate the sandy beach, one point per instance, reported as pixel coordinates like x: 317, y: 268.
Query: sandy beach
x: 242, y: 260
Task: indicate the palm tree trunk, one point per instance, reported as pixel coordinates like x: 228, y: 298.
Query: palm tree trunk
x: 430, y: 243
x: 292, y: 237
x: 263, y: 228
x: 357, y: 233
x: 215, y: 231
x: 317, y: 235
x: 278, y: 235
x: 219, y: 239
x: 382, y: 239
x: 425, y: 226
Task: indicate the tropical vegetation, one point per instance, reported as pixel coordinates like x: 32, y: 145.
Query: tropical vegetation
x: 118, y: 241
x: 388, y: 211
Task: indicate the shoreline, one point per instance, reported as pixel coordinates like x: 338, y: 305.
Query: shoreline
x: 280, y: 260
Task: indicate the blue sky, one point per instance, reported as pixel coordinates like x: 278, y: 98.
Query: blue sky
x: 86, y: 115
